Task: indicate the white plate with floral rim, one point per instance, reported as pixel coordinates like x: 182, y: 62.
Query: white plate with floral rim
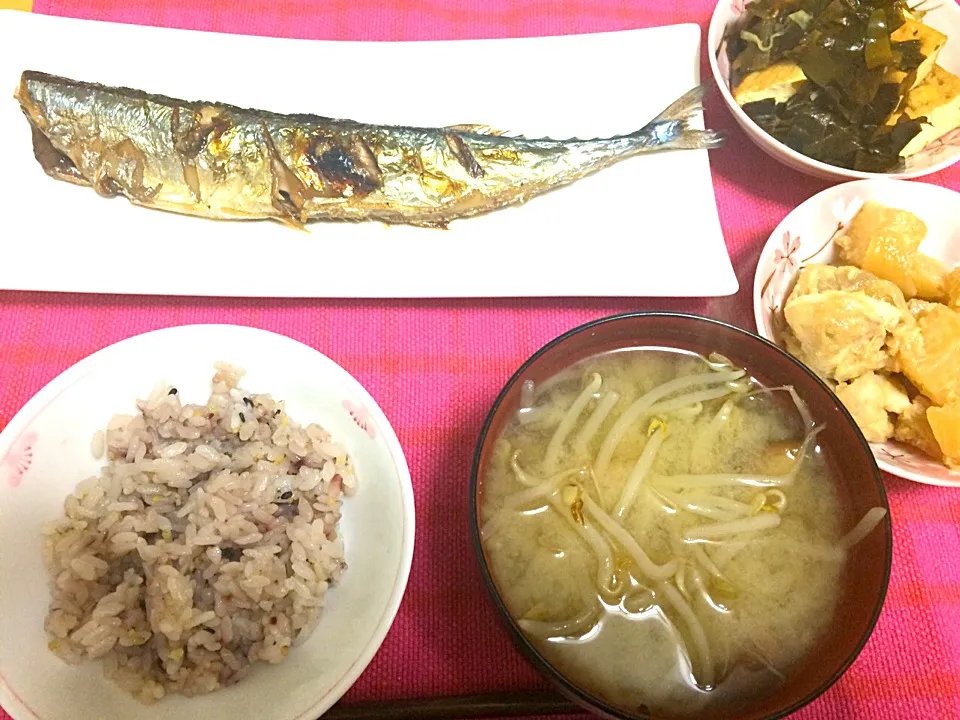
x: 46, y: 450
x: 806, y: 236
x: 939, y: 154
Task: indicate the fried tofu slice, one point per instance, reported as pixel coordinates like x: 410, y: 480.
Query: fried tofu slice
x: 931, y: 43
x: 779, y: 83
x: 938, y: 99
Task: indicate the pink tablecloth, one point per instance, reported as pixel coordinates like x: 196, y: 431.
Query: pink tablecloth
x: 435, y: 367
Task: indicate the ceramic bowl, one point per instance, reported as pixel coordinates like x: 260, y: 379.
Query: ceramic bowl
x: 806, y: 236
x: 939, y: 154
x: 46, y: 450
x: 867, y: 570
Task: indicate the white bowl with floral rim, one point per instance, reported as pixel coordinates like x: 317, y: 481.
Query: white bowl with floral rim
x: 46, y: 450
x: 806, y: 236
x: 939, y: 154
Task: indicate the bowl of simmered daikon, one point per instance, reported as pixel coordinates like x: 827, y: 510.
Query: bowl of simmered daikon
x: 677, y: 519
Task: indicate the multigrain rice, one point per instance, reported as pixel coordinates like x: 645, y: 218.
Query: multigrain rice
x: 207, y: 544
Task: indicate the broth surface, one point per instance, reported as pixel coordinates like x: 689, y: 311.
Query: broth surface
x: 763, y: 597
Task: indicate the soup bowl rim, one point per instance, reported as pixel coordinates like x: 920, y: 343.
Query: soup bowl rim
x: 562, y: 682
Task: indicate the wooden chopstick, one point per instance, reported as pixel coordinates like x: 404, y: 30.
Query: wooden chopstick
x: 494, y: 705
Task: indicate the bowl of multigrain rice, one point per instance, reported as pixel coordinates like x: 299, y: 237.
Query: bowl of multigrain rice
x: 224, y: 530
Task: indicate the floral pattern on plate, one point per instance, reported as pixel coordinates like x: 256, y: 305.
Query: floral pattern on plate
x: 361, y: 416
x: 786, y: 265
x: 907, y: 459
x: 19, y: 459
x: 936, y: 151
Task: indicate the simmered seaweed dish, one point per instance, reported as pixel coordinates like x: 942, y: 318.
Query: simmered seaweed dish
x: 666, y: 531
x: 852, y: 83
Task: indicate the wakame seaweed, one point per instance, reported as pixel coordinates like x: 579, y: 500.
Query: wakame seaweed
x: 844, y: 49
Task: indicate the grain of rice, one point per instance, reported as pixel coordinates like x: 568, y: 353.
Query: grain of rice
x: 98, y: 445
x: 173, y: 450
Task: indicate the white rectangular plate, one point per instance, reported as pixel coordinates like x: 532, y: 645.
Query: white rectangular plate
x: 646, y: 227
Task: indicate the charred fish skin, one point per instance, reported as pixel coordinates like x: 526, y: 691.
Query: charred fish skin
x: 224, y: 162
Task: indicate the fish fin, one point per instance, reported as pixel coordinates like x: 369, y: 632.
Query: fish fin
x: 684, y: 108
x: 432, y: 224
x: 671, y: 130
x: 479, y: 129
x: 234, y: 214
x: 290, y: 222
x: 464, y: 155
x: 55, y: 163
x: 288, y: 193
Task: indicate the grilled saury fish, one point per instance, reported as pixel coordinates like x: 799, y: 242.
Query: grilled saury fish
x: 225, y: 162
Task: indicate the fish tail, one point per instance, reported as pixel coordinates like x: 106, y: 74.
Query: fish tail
x: 671, y: 129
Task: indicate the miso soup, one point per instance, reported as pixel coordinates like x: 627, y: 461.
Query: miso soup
x: 665, y: 530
